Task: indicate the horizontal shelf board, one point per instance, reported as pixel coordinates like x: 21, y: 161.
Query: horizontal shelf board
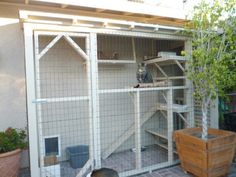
x: 104, y: 61
x: 160, y: 133
x: 176, y: 107
x: 61, y: 99
x: 140, y: 89
x: 165, y: 146
x: 171, y: 78
x: 166, y: 60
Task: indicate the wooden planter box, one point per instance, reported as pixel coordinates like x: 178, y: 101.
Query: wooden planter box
x: 210, y: 158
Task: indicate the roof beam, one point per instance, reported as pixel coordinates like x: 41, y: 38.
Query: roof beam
x: 100, y: 10
x: 64, y: 6
x: 122, y: 6
x: 30, y: 6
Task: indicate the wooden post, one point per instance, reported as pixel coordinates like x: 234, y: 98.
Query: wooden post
x: 137, y: 128
x: 31, y: 95
x: 38, y: 96
x: 134, y: 49
x: 170, y: 124
x: 95, y: 100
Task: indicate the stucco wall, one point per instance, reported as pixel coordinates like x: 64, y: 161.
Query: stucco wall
x: 12, y: 79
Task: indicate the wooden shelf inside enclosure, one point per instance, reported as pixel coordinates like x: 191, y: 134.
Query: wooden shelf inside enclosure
x: 162, y: 133
x: 107, y: 61
x: 158, y: 132
x: 176, y: 108
x: 166, y: 60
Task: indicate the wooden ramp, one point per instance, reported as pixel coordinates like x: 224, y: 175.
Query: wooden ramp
x: 128, y: 133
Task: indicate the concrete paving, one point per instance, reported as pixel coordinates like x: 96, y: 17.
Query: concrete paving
x: 174, y: 171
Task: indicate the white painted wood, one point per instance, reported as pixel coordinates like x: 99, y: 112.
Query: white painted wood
x: 52, y: 27
x: 140, y: 89
x: 160, y: 69
x: 31, y: 95
x: 124, y: 6
x: 89, y: 86
x: 134, y: 50
x: 56, y: 33
x: 164, y: 114
x: 95, y: 100
x: 171, y: 78
x: 49, y: 46
x: 170, y: 126
x: 128, y: 133
x: 76, y: 47
x: 176, y: 107
x: 137, y: 131
x: 104, y: 61
x: 63, y: 99
x: 183, y: 118
x: 38, y: 95
x: 180, y: 66
x: 163, y: 95
x: 25, y: 14
x: 84, y: 169
x: 158, y: 132
x: 165, y: 59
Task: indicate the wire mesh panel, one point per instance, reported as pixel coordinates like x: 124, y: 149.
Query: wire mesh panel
x: 63, y: 104
x: 113, y: 102
x: 117, y: 129
x: 154, y: 130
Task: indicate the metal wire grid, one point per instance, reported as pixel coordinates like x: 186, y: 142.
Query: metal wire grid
x: 62, y: 80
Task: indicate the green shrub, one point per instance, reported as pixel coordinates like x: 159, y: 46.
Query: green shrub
x: 12, y: 139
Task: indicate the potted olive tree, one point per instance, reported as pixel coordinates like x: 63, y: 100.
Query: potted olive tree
x: 12, y: 141
x: 204, y: 151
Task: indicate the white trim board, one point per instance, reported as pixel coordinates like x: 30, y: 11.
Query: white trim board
x: 31, y: 95
x: 156, y: 35
x: 92, y: 22
x: 124, y: 6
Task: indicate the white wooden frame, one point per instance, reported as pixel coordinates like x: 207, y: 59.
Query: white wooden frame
x: 124, y: 6
x: 31, y: 95
x: 95, y: 161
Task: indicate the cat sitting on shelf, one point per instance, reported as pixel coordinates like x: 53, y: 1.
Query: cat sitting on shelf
x: 143, y: 75
x: 103, y: 172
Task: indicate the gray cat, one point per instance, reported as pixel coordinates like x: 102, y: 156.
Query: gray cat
x: 143, y: 75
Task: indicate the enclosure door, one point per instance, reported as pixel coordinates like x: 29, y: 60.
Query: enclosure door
x: 63, y: 103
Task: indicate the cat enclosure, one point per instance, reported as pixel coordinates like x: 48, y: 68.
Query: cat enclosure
x: 83, y: 93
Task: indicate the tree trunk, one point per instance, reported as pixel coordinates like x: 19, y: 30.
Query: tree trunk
x: 204, y: 122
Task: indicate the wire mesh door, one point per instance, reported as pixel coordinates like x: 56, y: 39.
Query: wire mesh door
x: 62, y: 71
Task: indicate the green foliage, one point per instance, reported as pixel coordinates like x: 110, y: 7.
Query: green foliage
x: 12, y: 139
x: 212, y: 64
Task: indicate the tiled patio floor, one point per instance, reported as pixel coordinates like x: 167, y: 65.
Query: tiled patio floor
x: 174, y: 171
